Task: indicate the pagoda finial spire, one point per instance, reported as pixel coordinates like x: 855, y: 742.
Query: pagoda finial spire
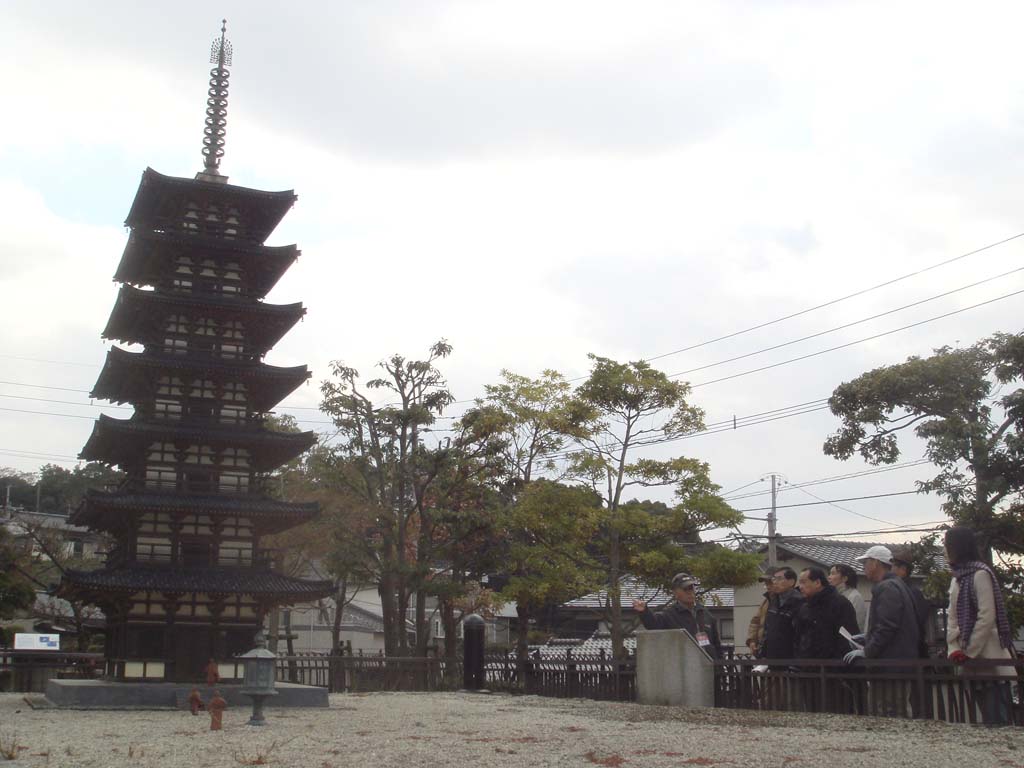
x: 216, y: 108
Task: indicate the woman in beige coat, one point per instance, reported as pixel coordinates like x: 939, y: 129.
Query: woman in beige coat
x: 977, y: 624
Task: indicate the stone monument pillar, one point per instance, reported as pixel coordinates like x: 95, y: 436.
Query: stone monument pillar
x: 672, y: 669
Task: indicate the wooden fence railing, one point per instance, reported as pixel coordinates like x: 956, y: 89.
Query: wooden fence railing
x: 566, y: 676
x: 28, y: 671
x: 931, y: 689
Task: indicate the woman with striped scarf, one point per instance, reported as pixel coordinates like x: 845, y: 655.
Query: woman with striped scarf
x: 977, y: 624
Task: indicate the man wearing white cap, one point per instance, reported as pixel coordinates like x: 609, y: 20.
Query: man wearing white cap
x: 892, y: 624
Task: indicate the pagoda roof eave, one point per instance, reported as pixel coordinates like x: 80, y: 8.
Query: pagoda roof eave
x: 211, y: 580
x: 120, y: 441
x: 155, y: 190
x: 123, y: 379
x: 133, y: 306
x: 148, y: 254
x: 106, y: 510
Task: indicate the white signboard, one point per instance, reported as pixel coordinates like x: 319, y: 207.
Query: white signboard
x: 24, y: 641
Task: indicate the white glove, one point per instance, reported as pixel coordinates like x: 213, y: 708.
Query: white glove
x: 852, y: 656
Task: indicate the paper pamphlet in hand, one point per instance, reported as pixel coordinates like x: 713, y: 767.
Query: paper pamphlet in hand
x: 849, y: 638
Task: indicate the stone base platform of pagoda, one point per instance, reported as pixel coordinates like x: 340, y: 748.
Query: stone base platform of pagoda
x: 108, y: 694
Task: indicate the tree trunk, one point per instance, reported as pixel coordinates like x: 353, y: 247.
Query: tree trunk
x: 82, y: 640
x: 387, y: 608
x: 422, y: 635
x: 289, y: 640
x: 339, y: 612
x: 273, y: 628
x: 615, y: 605
x: 523, y: 613
x: 402, y: 620
x: 451, y: 629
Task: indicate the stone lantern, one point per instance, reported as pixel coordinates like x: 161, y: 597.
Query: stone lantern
x: 258, y: 684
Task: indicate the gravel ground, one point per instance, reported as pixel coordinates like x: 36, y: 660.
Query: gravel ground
x: 410, y: 730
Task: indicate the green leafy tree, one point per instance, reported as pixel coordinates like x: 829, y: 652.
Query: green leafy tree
x: 633, y: 405
x: 16, y: 591
x: 530, y: 421
x: 660, y: 541
x: 967, y: 405
x: 972, y: 432
x: 415, y: 485
x: 54, y: 489
x: 550, y: 528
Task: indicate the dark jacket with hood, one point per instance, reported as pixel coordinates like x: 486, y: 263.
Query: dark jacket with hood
x: 677, y: 616
x: 817, y: 623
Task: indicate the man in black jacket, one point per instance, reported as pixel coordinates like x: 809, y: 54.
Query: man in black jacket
x: 778, y: 622
x: 684, y: 613
x: 820, y: 616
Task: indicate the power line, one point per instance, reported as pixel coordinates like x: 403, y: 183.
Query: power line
x: 707, y: 431
x: 734, y: 490
x: 837, y: 300
x: 43, y: 386
x: 47, y: 413
x: 907, y: 528
x: 846, y: 325
x: 835, y: 478
x: 858, y: 341
x: 66, y: 402
x: 845, y: 509
x: 38, y: 453
x: 50, y: 459
x: 830, y: 501
x: 52, y: 362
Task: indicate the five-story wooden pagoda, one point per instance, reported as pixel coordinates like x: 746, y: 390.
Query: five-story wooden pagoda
x: 188, y: 579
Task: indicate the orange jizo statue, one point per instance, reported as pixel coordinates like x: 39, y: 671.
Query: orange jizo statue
x: 217, y: 706
x: 212, y: 675
x: 195, y: 701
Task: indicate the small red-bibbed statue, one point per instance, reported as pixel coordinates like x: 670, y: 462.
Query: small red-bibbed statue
x: 212, y: 674
x: 195, y: 701
x: 217, y: 706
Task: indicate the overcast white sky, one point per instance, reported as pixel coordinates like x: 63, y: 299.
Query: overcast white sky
x: 536, y: 181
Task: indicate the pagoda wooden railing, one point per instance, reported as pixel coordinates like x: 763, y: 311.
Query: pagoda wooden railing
x: 227, y: 557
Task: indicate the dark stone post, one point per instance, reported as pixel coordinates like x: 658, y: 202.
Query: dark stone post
x: 473, y: 652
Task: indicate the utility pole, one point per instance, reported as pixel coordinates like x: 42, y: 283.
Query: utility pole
x: 772, y: 558
x: 39, y: 488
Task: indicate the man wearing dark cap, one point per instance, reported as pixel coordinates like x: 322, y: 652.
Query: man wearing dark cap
x: 903, y: 566
x: 684, y: 612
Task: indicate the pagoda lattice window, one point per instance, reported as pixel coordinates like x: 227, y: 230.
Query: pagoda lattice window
x: 169, y: 385
x: 162, y: 466
x: 196, y: 525
x: 183, y: 273
x: 165, y: 408
x: 232, y: 414
x: 202, y: 389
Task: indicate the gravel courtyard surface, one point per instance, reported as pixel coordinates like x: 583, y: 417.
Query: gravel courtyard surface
x: 410, y: 729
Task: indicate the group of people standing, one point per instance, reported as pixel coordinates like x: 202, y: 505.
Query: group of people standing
x: 804, y: 616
